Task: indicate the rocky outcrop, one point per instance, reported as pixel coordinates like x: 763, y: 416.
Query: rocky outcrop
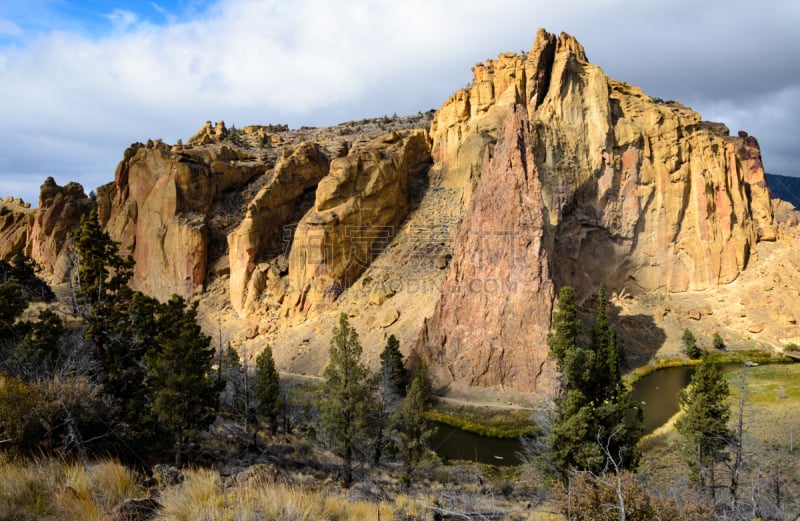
x: 209, y: 134
x: 15, y: 214
x: 487, y: 326
x: 267, y: 214
x: 636, y: 193
x: 52, y: 224
x: 158, y: 206
x: 357, y: 209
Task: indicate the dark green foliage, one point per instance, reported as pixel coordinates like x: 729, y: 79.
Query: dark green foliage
x: 411, y: 431
x: 179, y: 373
x: 36, y: 354
x: 268, y: 388
x: 394, y: 376
x: 103, y: 272
x: 22, y: 270
x: 130, y: 332
x: 347, y: 400
x: 718, y: 342
x: 12, y: 304
x: 690, y: 346
x: 704, y: 424
x: 593, y: 408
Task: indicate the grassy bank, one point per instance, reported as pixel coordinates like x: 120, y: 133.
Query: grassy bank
x: 772, y: 430
x: 491, y: 423
x: 721, y: 357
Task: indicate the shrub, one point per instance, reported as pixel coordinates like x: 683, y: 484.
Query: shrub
x: 717, y: 342
x: 690, y: 345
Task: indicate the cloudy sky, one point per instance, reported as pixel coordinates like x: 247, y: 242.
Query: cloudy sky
x: 82, y: 80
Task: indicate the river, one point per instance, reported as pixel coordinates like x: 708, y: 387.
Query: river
x: 656, y: 393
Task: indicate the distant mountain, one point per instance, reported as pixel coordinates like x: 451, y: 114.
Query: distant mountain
x: 784, y: 187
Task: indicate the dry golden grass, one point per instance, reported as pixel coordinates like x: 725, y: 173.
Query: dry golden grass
x: 49, y: 489
x: 201, y: 496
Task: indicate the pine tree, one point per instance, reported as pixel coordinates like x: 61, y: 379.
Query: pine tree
x: 412, y: 431
x: 593, y: 408
x: 103, y: 272
x: 348, y: 396
x: 392, y: 381
x: 394, y: 376
x: 267, y: 388
x: 179, y: 373
x: 704, y: 424
x: 12, y: 304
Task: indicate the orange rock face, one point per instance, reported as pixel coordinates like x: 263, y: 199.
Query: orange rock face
x: 14, y: 217
x: 50, y: 229
x: 267, y: 215
x: 635, y: 193
x: 158, y: 206
x: 357, y: 210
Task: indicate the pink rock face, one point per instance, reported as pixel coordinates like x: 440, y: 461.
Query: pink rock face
x: 487, y: 327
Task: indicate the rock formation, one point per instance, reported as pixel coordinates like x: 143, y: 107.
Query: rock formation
x: 484, y: 328
x: 209, y: 134
x: 637, y: 193
x: 49, y: 231
x: 159, y: 204
x: 357, y: 210
x: 14, y: 217
x: 546, y: 171
x: 267, y: 215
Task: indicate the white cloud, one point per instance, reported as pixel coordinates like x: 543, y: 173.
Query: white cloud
x: 9, y: 28
x: 318, y: 62
x: 122, y: 20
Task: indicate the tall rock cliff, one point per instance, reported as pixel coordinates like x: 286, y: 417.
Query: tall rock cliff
x: 159, y: 206
x: 487, y: 327
x: 268, y: 213
x: 635, y: 193
x: 49, y: 231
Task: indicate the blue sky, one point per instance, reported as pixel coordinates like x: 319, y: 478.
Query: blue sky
x: 81, y: 81
x: 96, y: 19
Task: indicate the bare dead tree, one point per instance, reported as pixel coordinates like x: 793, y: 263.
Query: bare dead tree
x: 737, y: 447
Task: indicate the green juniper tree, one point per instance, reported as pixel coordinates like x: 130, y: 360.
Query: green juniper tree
x: 412, y: 432
x: 594, y: 414
x: 347, y: 400
x: 179, y: 373
x: 392, y: 382
x: 394, y: 376
x: 690, y: 346
x: 704, y: 424
x: 268, y: 388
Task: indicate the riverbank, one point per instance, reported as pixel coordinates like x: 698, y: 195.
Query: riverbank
x: 754, y: 356
x: 772, y: 430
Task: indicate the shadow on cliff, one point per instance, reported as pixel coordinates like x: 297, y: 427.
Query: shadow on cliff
x: 638, y: 335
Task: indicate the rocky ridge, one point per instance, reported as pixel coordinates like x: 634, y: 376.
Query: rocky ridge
x: 542, y: 172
